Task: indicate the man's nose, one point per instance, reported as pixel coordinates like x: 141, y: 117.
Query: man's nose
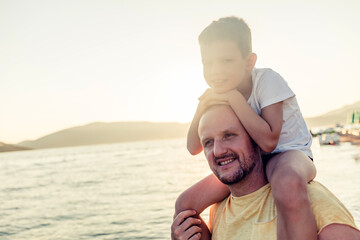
x: 219, y: 148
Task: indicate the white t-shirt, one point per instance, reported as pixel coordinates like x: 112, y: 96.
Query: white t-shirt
x: 269, y: 88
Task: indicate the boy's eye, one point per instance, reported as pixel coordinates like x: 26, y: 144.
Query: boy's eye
x: 227, y: 60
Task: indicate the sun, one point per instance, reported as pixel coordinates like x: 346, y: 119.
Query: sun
x: 183, y: 94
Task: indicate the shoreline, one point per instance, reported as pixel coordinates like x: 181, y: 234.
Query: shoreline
x: 353, y: 139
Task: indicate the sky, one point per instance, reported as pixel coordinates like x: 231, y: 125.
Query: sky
x: 73, y: 62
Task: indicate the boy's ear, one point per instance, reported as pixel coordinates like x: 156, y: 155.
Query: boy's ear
x: 251, y: 61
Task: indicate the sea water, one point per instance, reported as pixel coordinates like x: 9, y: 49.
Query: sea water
x: 125, y: 190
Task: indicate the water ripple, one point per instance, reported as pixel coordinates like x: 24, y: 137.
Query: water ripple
x: 123, y: 191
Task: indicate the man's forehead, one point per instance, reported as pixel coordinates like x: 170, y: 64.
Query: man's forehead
x: 219, y: 119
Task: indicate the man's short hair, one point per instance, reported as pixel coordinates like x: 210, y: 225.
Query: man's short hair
x: 228, y: 28
x: 210, y: 107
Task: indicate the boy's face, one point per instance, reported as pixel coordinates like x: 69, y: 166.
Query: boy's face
x: 224, y: 66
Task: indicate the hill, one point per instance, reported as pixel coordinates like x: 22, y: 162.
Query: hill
x: 333, y: 117
x: 102, y: 133
x: 10, y: 147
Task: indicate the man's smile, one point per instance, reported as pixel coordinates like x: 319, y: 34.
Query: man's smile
x: 226, y: 160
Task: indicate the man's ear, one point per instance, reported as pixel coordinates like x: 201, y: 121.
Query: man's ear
x: 251, y: 61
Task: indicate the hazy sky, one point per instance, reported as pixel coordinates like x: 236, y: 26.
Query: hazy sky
x: 72, y: 62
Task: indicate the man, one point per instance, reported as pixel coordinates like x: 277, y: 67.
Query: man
x: 249, y: 212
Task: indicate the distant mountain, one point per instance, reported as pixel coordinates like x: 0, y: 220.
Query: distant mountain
x: 333, y: 117
x: 102, y: 133
x: 10, y: 147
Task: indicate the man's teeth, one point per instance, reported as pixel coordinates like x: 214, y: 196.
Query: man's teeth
x: 226, y: 162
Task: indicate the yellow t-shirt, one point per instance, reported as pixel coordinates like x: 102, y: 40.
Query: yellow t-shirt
x: 254, y: 216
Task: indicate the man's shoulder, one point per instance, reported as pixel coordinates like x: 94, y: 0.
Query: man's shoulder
x: 215, y: 213
x: 327, y: 208
x: 217, y: 207
x: 318, y: 192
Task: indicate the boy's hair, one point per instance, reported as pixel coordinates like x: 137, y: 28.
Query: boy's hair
x: 228, y: 28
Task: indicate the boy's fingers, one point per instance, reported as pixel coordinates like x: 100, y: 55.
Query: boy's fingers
x: 212, y: 97
x: 208, y: 98
x: 216, y: 102
x: 207, y: 92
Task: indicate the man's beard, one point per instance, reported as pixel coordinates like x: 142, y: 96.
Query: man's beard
x: 245, y: 168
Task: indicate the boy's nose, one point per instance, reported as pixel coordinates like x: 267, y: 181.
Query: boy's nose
x: 216, y: 69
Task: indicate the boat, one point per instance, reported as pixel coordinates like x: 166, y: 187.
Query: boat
x: 351, y: 133
x: 333, y: 135
x: 329, y: 138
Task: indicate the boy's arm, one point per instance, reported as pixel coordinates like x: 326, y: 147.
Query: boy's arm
x: 265, y: 129
x: 202, y: 195
x: 193, y: 141
x: 192, y: 202
x: 197, y: 198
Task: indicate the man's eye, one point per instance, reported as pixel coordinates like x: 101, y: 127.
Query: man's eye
x: 228, y: 60
x: 207, y: 143
x: 228, y: 135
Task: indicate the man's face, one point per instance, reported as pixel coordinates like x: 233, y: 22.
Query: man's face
x: 223, y: 65
x: 227, y: 146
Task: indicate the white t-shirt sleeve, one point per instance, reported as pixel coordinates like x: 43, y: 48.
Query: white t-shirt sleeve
x: 272, y: 88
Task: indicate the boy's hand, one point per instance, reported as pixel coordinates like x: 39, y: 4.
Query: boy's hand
x: 224, y: 97
x: 205, y: 94
x: 209, y: 98
x: 185, y: 226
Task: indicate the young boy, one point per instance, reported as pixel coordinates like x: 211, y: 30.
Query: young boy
x: 268, y: 109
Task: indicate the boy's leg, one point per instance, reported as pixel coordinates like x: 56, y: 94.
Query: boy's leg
x: 288, y: 174
x: 202, y: 195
